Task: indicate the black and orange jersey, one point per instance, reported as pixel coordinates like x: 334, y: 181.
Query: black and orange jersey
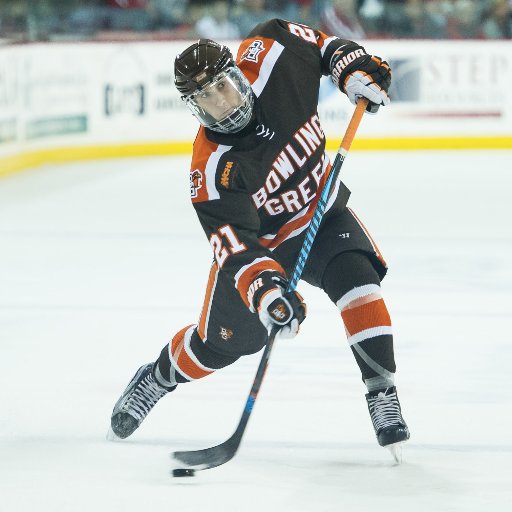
x: 256, y: 189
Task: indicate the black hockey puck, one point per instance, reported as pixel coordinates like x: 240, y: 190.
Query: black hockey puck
x: 183, y: 472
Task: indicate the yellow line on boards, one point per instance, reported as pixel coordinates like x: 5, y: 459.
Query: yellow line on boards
x: 35, y: 158
x: 426, y: 143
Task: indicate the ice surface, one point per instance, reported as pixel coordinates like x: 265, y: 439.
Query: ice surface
x: 101, y: 262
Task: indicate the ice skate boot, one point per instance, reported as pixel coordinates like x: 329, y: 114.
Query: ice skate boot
x: 386, y: 415
x: 140, y: 396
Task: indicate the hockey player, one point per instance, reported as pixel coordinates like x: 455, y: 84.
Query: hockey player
x: 258, y: 165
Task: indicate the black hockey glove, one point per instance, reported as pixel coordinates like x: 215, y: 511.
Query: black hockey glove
x: 358, y: 74
x: 274, y: 306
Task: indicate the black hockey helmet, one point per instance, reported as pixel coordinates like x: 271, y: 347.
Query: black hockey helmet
x: 213, y: 87
x: 199, y: 63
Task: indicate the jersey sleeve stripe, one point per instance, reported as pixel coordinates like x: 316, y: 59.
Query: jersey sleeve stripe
x: 246, y: 275
x: 203, y: 149
x: 205, y: 160
x: 324, y: 42
x: 251, y: 62
x: 266, y: 68
x: 211, y: 171
x: 258, y: 74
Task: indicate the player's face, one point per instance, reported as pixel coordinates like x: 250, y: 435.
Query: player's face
x: 225, y: 104
x: 220, y: 98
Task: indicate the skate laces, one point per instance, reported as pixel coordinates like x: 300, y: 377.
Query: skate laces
x: 385, y: 410
x: 143, y: 398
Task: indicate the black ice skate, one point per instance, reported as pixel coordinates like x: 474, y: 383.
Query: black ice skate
x: 390, y: 428
x: 140, y: 396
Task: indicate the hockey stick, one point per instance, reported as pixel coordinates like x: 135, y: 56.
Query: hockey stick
x: 222, y: 453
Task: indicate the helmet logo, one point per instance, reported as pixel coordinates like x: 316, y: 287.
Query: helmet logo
x: 196, y: 180
x: 201, y: 76
x: 253, y: 51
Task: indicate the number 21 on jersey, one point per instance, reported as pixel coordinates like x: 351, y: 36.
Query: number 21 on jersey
x: 223, y: 250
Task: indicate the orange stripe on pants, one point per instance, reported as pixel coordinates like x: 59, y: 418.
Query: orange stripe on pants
x: 372, y: 241
x: 201, y: 329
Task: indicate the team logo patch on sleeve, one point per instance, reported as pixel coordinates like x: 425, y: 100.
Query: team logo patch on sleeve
x: 252, y: 53
x: 196, y: 181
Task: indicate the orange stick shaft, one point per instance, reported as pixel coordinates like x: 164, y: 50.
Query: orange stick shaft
x: 353, y: 125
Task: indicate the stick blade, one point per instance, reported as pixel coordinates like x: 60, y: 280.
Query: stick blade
x: 208, y: 457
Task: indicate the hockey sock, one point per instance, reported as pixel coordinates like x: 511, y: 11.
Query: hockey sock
x: 369, y: 334
x: 188, y: 358
x: 353, y: 285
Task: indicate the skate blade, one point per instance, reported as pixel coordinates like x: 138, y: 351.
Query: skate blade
x: 111, y: 436
x: 396, y: 452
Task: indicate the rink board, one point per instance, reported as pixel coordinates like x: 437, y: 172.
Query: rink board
x: 67, y: 101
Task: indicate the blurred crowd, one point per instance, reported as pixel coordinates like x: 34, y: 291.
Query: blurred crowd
x: 43, y: 20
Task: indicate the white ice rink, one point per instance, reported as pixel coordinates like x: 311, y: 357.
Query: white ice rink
x: 101, y: 262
